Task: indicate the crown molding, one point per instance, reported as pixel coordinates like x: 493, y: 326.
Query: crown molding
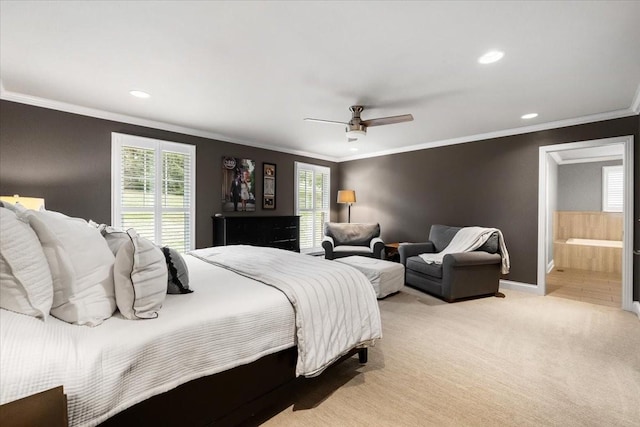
x: 138, y: 121
x: 590, y: 160
x: 635, y: 105
x: 498, y: 134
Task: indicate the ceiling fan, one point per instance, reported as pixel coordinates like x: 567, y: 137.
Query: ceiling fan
x: 357, y: 128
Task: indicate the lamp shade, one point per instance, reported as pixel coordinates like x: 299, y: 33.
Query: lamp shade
x: 346, y: 196
x: 35, y: 203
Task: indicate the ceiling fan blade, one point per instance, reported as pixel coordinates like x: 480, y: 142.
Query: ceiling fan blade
x: 388, y: 120
x: 325, y: 121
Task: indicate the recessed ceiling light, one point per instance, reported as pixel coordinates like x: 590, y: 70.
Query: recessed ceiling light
x: 529, y: 116
x: 353, y: 149
x: 139, y: 94
x: 491, y: 56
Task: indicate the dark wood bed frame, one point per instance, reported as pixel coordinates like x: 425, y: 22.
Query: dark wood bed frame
x: 229, y: 398
x: 245, y: 395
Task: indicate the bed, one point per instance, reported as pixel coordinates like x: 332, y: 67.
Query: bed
x: 232, y: 329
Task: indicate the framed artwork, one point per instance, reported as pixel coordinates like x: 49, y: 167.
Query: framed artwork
x: 268, y: 186
x: 238, y: 185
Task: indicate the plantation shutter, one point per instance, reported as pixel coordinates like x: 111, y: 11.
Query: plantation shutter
x: 612, y: 189
x: 137, y: 189
x: 153, y: 190
x: 176, y: 200
x: 312, y: 204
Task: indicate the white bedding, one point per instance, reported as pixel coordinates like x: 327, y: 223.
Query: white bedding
x: 335, y: 305
x: 228, y: 321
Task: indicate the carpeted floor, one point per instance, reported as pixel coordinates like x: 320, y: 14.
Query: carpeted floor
x: 523, y: 360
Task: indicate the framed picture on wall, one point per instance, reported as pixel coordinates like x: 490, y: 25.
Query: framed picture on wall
x: 238, y: 189
x: 268, y: 186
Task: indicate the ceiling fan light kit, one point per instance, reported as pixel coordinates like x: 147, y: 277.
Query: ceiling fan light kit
x: 356, y: 132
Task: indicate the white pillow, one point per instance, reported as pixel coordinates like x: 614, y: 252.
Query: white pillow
x: 25, y: 278
x: 140, y: 275
x: 115, y: 237
x: 81, y: 266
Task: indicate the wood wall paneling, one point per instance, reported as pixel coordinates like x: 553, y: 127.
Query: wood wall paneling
x: 587, y: 225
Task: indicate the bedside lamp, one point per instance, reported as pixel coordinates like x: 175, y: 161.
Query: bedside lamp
x: 348, y: 197
x: 34, y: 203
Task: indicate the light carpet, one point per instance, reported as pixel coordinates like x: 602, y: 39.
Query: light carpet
x: 523, y: 360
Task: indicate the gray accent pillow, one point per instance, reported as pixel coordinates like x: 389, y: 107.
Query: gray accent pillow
x: 491, y: 245
x: 351, y: 234
x: 178, y: 279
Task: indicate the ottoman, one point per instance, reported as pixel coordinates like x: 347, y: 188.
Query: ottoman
x: 386, y: 277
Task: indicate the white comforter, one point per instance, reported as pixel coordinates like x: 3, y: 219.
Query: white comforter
x: 228, y: 321
x: 336, y: 307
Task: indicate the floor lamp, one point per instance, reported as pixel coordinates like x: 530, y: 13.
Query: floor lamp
x: 348, y: 197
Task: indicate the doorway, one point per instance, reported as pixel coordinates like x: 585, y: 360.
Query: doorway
x: 603, y: 285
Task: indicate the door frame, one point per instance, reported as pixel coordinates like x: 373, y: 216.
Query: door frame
x: 627, y: 238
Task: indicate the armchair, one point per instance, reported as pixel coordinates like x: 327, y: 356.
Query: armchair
x: 347, y: 239
x: 461, y: 275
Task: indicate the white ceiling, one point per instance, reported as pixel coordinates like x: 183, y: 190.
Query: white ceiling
x: 249, y: 72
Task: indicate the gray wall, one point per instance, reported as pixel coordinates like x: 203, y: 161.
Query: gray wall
x: 66, y: 158
x: 489, y: 183
x: 580, y: 186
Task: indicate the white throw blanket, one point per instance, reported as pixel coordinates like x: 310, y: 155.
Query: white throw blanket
x: 469, y: 239
x: 335, y: 305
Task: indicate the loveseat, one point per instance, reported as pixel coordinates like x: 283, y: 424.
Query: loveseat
x: 460, y: 275
x: 348, y: 239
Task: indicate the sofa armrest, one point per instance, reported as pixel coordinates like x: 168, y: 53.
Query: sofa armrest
x: 412, y: 249
x: 377, y: 247
x: 470, y: 258
x: 328, y: 245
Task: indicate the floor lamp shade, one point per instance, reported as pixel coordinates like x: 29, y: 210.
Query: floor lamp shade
x: 348, y: 197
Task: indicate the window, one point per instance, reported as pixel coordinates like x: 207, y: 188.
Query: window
x: 153, y: 189
x: 312, y: 203
x: 612, y: 188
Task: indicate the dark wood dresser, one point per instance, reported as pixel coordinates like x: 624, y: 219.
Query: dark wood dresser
x: 281, y: 232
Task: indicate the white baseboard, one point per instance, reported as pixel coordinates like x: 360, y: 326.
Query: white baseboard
x: 635, y: 307
x: 550, y: 266
x: 519, y: 286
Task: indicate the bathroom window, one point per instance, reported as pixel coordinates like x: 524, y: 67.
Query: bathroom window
x: 612, y: 189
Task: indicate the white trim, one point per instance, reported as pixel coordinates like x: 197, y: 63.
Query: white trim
x: 519, y: 286
x: 635, y: 104
x: 123, y: 118
x: 635, y: 307
x: 627, y: 251
x: 586, y: 159
x: 550, y: 266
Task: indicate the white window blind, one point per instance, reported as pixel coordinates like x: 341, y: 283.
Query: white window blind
x: 612, y: 189
x: 153, y: 189
x: 311, y: 190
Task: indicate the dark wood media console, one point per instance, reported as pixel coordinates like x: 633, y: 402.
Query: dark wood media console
x: 281, y: 232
